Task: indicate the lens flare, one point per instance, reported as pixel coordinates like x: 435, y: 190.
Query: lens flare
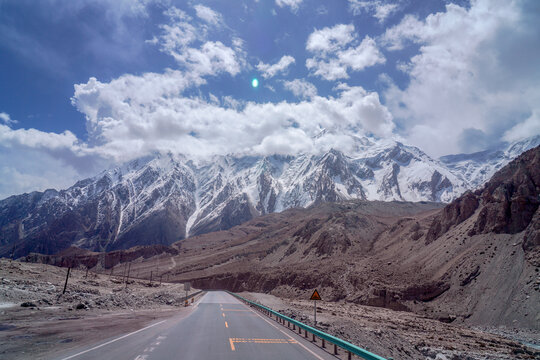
x: 255, y: 82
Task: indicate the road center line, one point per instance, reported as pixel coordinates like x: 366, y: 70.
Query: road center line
x: 226, y: 325
x: 110, y: 342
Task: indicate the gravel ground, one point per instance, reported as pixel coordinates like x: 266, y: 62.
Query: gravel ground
x: 404, y: 335
x: 37, y: 320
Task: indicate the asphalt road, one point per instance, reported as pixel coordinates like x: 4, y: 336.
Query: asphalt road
x: 220, y: 327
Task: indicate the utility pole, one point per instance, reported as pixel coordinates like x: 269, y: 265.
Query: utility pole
x: 187, y: 287
x: 127, y: 279
x: 67, y: 277
x: 124, y: 273
x: 12, y: 254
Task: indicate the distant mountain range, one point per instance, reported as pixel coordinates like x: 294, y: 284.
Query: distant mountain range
x: 164, y: 198
x: 473, y: 261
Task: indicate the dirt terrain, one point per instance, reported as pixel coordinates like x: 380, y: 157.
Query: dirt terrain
x: 404, y: 335
x: 97, y: 307
x: 37, y: 320
x: 367, y: 253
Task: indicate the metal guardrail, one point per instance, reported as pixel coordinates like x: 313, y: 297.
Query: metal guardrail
x: 191, y: 295
x: 352, y: 349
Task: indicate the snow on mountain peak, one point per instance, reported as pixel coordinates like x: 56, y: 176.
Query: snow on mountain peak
x: 163, y: 197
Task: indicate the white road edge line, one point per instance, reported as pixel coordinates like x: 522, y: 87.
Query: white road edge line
x: 110, y: 342
x: 289, y: 336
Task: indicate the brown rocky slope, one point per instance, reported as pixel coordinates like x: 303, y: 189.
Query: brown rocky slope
x: 476, y: 261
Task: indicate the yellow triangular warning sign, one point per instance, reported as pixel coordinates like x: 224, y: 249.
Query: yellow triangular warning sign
x: 315, y: 295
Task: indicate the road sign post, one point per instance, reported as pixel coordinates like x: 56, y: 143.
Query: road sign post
x: 315, y: 296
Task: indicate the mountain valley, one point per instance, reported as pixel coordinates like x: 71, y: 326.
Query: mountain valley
x: 474, y: 261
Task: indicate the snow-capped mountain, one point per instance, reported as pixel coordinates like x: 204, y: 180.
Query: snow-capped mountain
x: 477, y: 168
x: 164, y: 198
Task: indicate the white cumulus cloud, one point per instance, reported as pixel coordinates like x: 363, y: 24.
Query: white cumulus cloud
x: 524, y: 129
x: 330, y: 39
x: 6, y: 119
x: 32, y: 160
x: 337, y: 50
x: 379, y: 9
x: 475, y: 65
x: 301, y: 88
x: 187, y: 42
x: 269, y: 70
x: 37, y: 139
x: 207, y: 14
x: 134, y: 115
x: 293, y: 4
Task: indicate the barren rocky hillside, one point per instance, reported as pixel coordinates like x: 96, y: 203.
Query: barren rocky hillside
x: 475, y: 261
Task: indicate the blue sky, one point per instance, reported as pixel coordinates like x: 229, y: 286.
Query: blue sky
x: 86, y: 84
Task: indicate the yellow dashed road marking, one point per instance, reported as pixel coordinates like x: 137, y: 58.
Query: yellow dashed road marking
x: 226, y: 325
x: 260, y: 341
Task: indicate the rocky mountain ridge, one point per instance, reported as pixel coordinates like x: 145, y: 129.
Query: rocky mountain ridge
x: 480, y: 166
x: 164, y: 198
x: 507, y: 204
